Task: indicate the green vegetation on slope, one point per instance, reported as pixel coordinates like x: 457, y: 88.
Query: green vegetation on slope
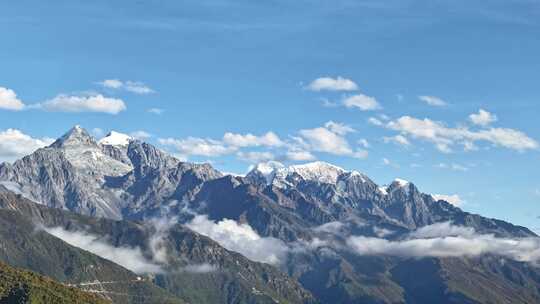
x: 19, y: 286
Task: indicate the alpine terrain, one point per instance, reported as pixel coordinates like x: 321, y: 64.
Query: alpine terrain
x: 121, y: 219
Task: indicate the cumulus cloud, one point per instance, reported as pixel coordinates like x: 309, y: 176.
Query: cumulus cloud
x: 241, y: 238
x: 444, y: 137
x: 197, y: 146
x: 483, y: 118
x: 128, y: 257
x: 92, y: 103
x: 362, y: 102
x: 130, y: 86
x: 433, y: 101
x: 270, y: 139
x: 9, y: 100
x: 452, y: 199
x: 445, y: 240
x: 325, y: 140
x: 14, y: 144
x: 332, y: 84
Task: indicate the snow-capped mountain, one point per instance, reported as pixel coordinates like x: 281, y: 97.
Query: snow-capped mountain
x: 106, y: 178
x: 119, y: 177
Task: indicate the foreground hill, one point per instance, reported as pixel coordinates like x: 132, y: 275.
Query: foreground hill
x: 227, y: 278
x: 19, y: 286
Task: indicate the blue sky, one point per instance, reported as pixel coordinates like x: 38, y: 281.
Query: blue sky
x: 405, y: 76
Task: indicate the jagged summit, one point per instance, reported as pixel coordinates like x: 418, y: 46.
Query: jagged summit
x: 314, y: 171
x: 76, y: 136
x: 114, y: 138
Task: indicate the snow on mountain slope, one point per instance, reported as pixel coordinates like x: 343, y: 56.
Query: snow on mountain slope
x: 277, y: 174
x: 115, y: 139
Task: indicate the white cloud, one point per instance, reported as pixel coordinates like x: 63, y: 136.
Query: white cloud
x: 332, y: 84
x: 156, y: 111
x: 324, y: 140
x: 255, y: 157
x: 452, y: 199
x: 455, y: 167
x: 445, y: 137
x: 364, y: 143
x: 111, y: 83
x: 137, y: 87
x: 93, y: 103
x: 375, y: 121
x: 241, y: 238
x: 14, y: 144
x: 140, y: 135
x: 433, y: 101
x: 197, y: 146
x: 130, y: 258
x: 444, y: 240
x: 362, y: 102
x: 387, y: 162
x: 270, y: 139
x: 483, y: 118
x: 299, y: 155
x: 200, y: 268
x: 339, y: 128
x: 9, y: 100
x: 130, y: 86
x: 398, y: 139
x: 441, y: 230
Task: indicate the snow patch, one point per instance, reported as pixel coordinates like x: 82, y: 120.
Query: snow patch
x: 116, y: 139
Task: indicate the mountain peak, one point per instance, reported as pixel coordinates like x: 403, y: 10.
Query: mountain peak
x: 314, y: 171
x: 116, y: 139
x: 76, y: 136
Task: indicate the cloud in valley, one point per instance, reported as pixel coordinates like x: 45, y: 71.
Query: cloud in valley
x: 130, y: 258
x: 241, y: 238
x: 446, y: 240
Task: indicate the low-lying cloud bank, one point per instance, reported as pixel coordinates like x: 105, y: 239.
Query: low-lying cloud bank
x: 128, y: 257
x: 447, y: 240
x: 241, y: 238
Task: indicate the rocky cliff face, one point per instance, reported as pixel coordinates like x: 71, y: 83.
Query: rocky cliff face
x: 313, y: 209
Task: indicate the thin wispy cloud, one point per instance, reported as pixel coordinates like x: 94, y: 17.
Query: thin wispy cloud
x: 136, y: 87
x: 156, y: 111
x: 433, y: 101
